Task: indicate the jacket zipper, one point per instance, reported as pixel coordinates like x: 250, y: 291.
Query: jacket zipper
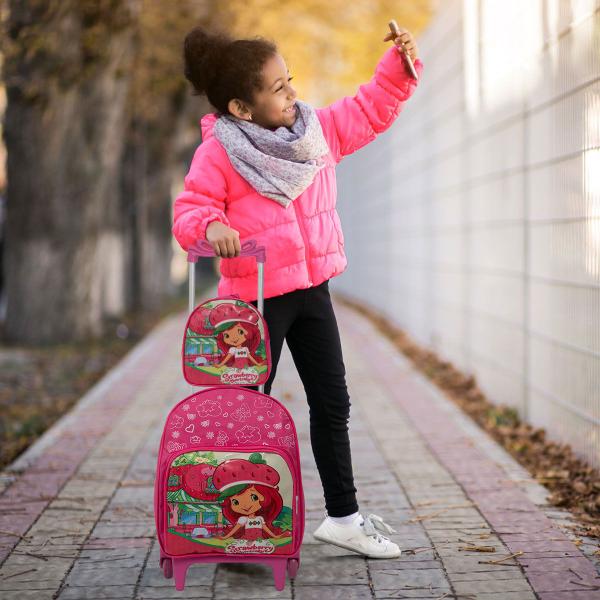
x: 305, y: 240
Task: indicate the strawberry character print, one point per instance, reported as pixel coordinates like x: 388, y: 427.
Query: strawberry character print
x: 237, y: 335
x: 225, y: 342
x: 250, y: 497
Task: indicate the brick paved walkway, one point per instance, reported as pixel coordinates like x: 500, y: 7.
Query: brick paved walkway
x: 76, y: 518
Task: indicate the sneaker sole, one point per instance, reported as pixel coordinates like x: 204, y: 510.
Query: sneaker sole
x: 347, y: 547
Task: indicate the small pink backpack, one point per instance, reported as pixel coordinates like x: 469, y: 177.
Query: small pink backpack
x: 228, y: 485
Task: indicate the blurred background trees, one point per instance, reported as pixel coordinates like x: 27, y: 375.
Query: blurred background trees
x: 99, y: 128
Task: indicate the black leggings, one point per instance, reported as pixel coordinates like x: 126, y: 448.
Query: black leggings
x: 305, y: 319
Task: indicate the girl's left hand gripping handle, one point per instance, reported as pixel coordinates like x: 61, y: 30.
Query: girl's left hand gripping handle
x: 203, y: 249
x: 249, y: 248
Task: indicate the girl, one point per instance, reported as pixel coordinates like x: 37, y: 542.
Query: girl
x: 231, y: 340
x: 266, y: 171
x: 252, y: 508
x: 252, y: 504
x: 237, y: 336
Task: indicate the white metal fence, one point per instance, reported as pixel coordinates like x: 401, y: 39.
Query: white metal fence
x: 474, y: 222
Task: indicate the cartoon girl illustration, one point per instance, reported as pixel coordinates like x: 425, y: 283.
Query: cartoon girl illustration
x: 237, y: 335
x: 250, y: 497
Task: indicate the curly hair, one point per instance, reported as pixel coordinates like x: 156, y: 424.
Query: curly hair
x: 223, y: 68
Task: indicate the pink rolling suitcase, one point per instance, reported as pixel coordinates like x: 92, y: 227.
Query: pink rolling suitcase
x: 228, y: 485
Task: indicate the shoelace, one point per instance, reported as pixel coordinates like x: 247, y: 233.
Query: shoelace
x: 373, y: 524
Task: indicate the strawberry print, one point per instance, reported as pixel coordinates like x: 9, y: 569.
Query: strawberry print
x: 236, y: 469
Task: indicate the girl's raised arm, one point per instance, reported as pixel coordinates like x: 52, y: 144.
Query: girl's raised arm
x: 353, y: 121
x: 202, y: 200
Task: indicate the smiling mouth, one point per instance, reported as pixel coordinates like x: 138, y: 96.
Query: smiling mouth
x: 290, y: 109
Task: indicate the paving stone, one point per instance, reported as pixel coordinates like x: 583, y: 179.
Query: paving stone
x: 331, y: 592
x: 197, y: 575
x: 254, y: 592
x: 409, y: 579
x: 402, y: 564
x: 94, y: 576
x: 492, y: 586
x: 28, y: 595
x: 234, y: 575
x: 92, y: 592
x: 571, y: 595
x: 191, y: 591
x: 332, y: 570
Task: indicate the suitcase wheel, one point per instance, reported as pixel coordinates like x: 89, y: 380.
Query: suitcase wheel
x: 167, y: 568
x: 292, y: 567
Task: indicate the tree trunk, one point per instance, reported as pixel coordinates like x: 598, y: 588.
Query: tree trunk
x: 162, y: 133
x: 66, y: 71
x: 146, y: 194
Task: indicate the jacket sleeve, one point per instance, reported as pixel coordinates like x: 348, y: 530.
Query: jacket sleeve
x: 201, y: 201
x: 353, y: 121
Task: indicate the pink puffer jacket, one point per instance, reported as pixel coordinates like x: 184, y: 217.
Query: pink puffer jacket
x: 304, y: 242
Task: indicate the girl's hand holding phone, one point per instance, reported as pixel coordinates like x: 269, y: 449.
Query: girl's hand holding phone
x: 404, y: 41
x: 224, y: 240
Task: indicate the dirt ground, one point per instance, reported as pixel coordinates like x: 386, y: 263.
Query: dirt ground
x: 39, y: 385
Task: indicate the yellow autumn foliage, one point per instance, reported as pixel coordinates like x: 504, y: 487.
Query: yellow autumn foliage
x: 330, y: 47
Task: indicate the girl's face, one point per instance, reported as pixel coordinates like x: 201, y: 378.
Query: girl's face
x: 248, y: 502
x: 271, y: 103
x: 235, y: 336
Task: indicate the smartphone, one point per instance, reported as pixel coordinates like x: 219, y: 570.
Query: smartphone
x: 394, y: 29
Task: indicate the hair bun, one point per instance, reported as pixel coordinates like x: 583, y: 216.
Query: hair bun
x: 201, y: 57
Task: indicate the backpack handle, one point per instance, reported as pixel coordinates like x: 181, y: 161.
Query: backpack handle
x: 203, y: 249
x: 249, y: 248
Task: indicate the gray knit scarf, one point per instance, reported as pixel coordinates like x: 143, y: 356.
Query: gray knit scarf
x: 278, y: 164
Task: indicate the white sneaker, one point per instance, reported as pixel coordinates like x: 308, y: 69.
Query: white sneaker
x: 361, y: 536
